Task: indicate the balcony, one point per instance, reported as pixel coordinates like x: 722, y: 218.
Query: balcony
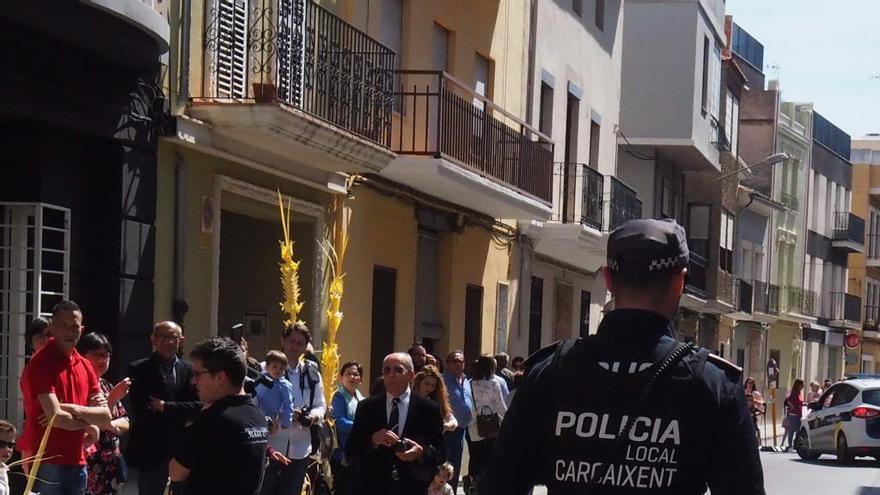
x: 592, y: 195
x: 872, y: 315
x: 695, y: 289
x: 140, y: 14
x: 798, y: 304
x: 290, y: 84
x: 790, y: 201
x: 766, y: 301
x: 872, y: 251
x: 849, y: 232
x: 845, y: 311
x: 588, y: 206
x: 719, y: 136
x: 742, y: 300
x: 623, y: 204
x: 459, y: 146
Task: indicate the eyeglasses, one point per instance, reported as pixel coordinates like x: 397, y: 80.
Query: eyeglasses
x: 6, y: 445
x: 399, y: 370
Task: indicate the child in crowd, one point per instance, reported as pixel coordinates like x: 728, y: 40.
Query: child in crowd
x: 440, y: 485
x: 277, y: 402
x: 7, y: 445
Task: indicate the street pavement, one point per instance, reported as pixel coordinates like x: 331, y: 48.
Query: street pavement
x: 787, y: 474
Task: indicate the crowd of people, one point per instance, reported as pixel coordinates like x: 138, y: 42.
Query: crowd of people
x: 219, y: 421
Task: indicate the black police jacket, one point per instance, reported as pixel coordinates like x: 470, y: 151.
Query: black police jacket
x: 694, y: 430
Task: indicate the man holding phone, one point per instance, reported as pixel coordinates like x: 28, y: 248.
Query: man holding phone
x: 396, y: 442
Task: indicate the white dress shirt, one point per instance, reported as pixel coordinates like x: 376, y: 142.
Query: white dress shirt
x: 402, y: 409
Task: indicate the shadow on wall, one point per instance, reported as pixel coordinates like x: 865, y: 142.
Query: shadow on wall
x: 589, y: 10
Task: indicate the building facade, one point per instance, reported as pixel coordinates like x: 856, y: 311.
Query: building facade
x: 575, y: 100
x: 414, y: 113
x: 864, y: 268
x: 834, y: 232
x: 671, y: 138
x: 80, y: 125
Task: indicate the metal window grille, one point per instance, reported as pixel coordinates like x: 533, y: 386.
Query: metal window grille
x: 34, y: 275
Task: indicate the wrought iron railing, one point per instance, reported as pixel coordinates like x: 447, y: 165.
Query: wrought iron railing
x: 743, y: 295
x: 872, y: 314
x: 444, y: 117
x: 799, y: 300
x: 592, y: 192
x: 766, y: 298
x: 849, y: 227
x: 623, y: 204
x: 726, y: 287
x: 773, y: 299
x: 696, y: 274
x: 720, y: 136
x: 300, y: 54
x: 790, y: 200
x: 873, y: 248
x: 845, y: 307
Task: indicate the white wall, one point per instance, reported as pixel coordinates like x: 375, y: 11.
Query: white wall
x: 662, y: 71
x: 593, y: 67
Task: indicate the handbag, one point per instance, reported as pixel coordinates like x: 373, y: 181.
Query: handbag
x: 488, y: 423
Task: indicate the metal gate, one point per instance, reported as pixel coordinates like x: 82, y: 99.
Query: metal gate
x: 34, y: 275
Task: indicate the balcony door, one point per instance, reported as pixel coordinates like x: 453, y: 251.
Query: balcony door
x: 570, y: 169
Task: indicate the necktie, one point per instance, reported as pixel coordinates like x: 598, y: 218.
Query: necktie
x: 394, y: 419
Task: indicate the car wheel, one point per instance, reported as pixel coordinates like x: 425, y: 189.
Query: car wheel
x: 802, y: 446
x: 843, y: 454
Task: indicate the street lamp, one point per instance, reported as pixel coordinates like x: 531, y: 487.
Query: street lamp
x: 769, y: 161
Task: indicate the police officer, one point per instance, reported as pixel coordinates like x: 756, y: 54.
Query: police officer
x: 604, y: 414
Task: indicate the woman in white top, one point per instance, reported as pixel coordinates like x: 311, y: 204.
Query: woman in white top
x: 429, y: 384
x: 486, y: 400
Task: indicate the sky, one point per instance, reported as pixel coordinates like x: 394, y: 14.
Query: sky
x: 827, y: 52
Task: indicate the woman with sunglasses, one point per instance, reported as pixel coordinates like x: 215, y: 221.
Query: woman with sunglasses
x: 105, y: 464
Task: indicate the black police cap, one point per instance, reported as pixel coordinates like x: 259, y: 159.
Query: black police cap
x: 647, y: 245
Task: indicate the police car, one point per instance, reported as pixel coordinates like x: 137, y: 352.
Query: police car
x: 845, y: 421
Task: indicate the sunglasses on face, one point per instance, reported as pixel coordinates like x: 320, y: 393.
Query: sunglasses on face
x: 6, y: 445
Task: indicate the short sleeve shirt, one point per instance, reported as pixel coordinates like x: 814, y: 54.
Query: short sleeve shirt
x: 73, y: 381
x: 225, y: 448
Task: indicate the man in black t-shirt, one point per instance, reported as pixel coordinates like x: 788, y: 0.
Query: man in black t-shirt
x: 224, y: 450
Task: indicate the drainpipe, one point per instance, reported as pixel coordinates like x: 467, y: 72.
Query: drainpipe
x: 179, y: 307
x: 530, y: 77
x: 524, y: 282
x: 186, y: 29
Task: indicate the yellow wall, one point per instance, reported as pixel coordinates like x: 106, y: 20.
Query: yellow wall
x: 201, y: 171
x: 383, y: 231
x: 471, y: 257
x: 860, y: 194
x: 496, y: 29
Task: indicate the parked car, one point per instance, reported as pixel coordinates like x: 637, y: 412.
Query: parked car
x: 845, y: 421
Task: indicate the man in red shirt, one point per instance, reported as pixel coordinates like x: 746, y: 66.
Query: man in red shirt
x: 59, y: 382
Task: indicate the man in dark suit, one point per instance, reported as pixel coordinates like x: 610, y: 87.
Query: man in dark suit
x: 396, y: 442
x: 162, y: 398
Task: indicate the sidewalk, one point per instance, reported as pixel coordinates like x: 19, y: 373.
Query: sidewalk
x: 767, y: 433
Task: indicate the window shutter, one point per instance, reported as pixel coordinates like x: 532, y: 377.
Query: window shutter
x: 232, y: 34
